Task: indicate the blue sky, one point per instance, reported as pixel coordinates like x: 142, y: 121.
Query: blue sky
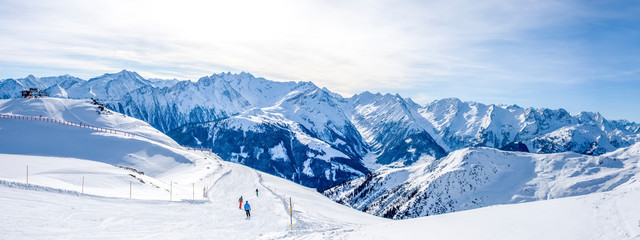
x: 577, y: 55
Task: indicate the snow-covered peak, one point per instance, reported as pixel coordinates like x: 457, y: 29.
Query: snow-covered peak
x: 365, y: 96
x: 60, y: 79
x: 162, y: 83
x: 31, y: 78
x: 122, y: 75
x: 261, y: 92
x: 446, y: 102
x: 393, y: 129
x: 320, y: 112
x: 231, y: 76
x: 590, y: 117
x: 110, y: 86
x: 32, y: 81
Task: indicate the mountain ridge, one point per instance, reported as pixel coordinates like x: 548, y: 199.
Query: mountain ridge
x: 367, y: 129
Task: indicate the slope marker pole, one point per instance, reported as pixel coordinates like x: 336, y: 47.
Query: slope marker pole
x: 291, y: 213
x: 82, y: 184
x: 27, y: 174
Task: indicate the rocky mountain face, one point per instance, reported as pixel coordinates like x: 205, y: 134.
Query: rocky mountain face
x: 393, y: 128
x: 272, y: 144
x: 310, y: 135
x: 477, y: 177
x: 185, y: 102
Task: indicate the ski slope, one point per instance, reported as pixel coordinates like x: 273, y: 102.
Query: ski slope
x: 41, y: 213
x: 186, y: 194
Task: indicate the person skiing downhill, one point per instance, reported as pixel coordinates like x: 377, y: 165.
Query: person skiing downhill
x: 256, y: 192
x: 240, y: 201
x: 247, y: 209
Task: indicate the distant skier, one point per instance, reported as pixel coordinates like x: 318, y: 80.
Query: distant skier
x: 256, y: 192
x: 247, y: 209
x: 240, y: 201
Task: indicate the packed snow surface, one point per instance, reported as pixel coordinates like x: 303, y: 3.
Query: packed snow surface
x: 43, y: 213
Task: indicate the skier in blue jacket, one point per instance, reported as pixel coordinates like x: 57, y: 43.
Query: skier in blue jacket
x: 247, y: 208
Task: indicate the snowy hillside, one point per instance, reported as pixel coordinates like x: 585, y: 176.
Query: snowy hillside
x: 477, y: 177
x: 607, y: 215
x: 64, y: 141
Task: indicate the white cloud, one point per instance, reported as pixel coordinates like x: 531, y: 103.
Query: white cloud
x: 341, y: 45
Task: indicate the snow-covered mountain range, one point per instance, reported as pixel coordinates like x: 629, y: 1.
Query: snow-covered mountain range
x: 465, y: 124
x: 10, y: 88
x: 313, y: 136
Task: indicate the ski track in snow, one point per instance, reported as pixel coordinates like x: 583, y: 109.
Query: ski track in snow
x: 613, y: 219
x: 79, y: 216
